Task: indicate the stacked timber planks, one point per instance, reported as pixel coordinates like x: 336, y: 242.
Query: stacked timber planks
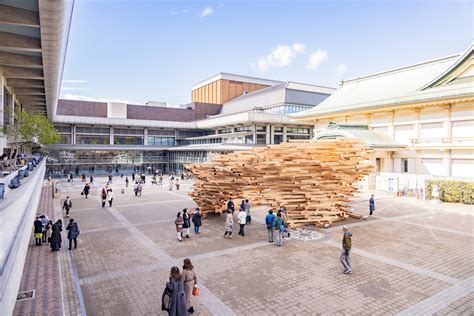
x: 313, y: 180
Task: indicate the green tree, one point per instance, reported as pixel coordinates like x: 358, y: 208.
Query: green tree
x: 29, y: 130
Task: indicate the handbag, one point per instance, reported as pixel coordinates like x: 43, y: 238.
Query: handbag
x: 166, y: 299
x: 82, y: 193
x: 195, y: 291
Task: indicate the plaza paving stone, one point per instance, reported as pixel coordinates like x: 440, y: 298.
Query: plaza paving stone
x: 125, y: 253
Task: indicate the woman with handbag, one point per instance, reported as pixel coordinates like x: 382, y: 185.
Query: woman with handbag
x: 186, y: 223
x: 190, y: 282
x: 86, y: 190
x: 175, y: 286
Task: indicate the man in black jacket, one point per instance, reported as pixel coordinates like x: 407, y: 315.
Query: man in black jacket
x: 67, y: 205
x: 73, y: 232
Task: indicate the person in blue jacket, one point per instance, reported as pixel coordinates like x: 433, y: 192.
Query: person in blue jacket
x: 270, y: 221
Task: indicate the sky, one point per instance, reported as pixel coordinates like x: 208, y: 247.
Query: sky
x: 140, y: 50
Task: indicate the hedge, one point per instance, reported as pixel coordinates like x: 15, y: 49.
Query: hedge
x: 452, y: 191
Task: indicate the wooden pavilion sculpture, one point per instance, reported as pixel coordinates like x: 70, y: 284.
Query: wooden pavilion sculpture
x: 314, y: 180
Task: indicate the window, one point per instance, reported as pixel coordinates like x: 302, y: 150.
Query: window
x: 277, y: 139
x: 63, y: 129
x: 161, y: 141
x: 93, y: 139
x: 297, y: 130
x: 225, y: 130
x: 261, y: 139
x: 92, y: 130
x: 278, y: 129
x: 128, y: 131
x: 378, y: 164
x: 404, y: 167
x: 243, y: 129
x: 65, y: 138
x: 260, y: 128
x: 297, y: 136
x: 128, y: 140
x: 163, y: 132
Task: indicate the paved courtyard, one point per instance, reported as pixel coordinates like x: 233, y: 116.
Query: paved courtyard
x: 412, y: 258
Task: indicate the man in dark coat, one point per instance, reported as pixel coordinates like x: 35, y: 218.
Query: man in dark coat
x: 73, y: 232
x: 197, y: 221
x: 230, y: 205
x: 56, y: 235
x: 86, y: 190
x: 67, y: 205
x: 38, y: 231
x: 372, y: 204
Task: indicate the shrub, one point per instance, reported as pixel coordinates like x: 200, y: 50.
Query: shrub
x: 452, y: 191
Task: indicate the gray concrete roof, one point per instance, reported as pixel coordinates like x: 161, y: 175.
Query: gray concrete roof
x: 393, y: 87
x: 374, y: 139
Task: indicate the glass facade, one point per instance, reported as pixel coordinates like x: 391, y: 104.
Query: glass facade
x: 93, y: 139
x: 128, y: 140
x: 285, y: 109
x: 161, y: 141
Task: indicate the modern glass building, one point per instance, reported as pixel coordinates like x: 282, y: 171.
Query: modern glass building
x: 99, y: 137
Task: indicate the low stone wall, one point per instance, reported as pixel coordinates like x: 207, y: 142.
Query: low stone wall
x: 17, y: 213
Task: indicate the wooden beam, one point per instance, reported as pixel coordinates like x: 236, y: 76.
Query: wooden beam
x: 29, y: 91
x: 17, y: 16
x: 21, y: 73
x: 19, y: 42
x: 20, y: 60
x: 25, y: 83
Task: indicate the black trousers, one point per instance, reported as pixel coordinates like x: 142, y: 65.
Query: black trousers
x: 110, y: 202
x: 70, y: 243
x: 241, y: 231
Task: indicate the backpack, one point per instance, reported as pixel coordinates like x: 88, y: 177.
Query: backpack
x: 166, y: 299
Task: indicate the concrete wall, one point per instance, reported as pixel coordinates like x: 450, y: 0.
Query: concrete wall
x: 17, y: 212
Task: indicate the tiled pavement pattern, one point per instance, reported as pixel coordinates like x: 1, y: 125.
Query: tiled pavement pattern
x: 413, y: 258
x: 41, y: 272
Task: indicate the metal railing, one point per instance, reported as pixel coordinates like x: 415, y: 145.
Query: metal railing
x: 454, y: 140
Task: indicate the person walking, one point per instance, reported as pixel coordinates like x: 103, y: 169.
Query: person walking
x: 186, y: 223
x: 67, y: 205
x: 197, y: 221
x: 179, y: 226
x: 110, y: 197
x: 242, y: 204
x: 171, y: 183
x: 247, y: 210
x: 139, y: 189
x: 103, y: 196
x: 178, y: 296
x: 177, y: 184
x: 372, y: 204
x: 346, y: 250
x: 230, y: 205
x: 160, y: 181
x: 190, y: 281
x: 91, y: 180
x: 133, y: 176
x: 126, y: 182
x: 270, y: 221
x: 73, y: 232
x: 56, y: 240
x: 86, y: 190
x: 44, y: 225
x: 38, y: 232
x: 242, y: 216
x: 49, y: 227
x: 229, y: 224
x: 280, y: 227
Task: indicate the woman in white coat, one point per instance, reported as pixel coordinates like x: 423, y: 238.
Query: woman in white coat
x: 110, y: 197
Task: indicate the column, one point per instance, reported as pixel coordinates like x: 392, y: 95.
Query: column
x: 73, y: 134
x: 391, y: 127
x: 284, y: 134
x: 111, y: 135
x: 2, y: 105
x: 255, y: 134
x: 145, y: 136
x: 272, y: 134
x: 447, y: 125
x: 418, y: 167
x: 11, y: 120
x: 417, y: 124
x: 447, y: 162
x: 268, y: 135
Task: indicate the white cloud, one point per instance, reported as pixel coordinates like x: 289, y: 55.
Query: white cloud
x: 70, y: 96
x: 74, y: 81
x: 316, y: 59
x: 207, y: 12
x: 341, y: 69
x: 280, y: 56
